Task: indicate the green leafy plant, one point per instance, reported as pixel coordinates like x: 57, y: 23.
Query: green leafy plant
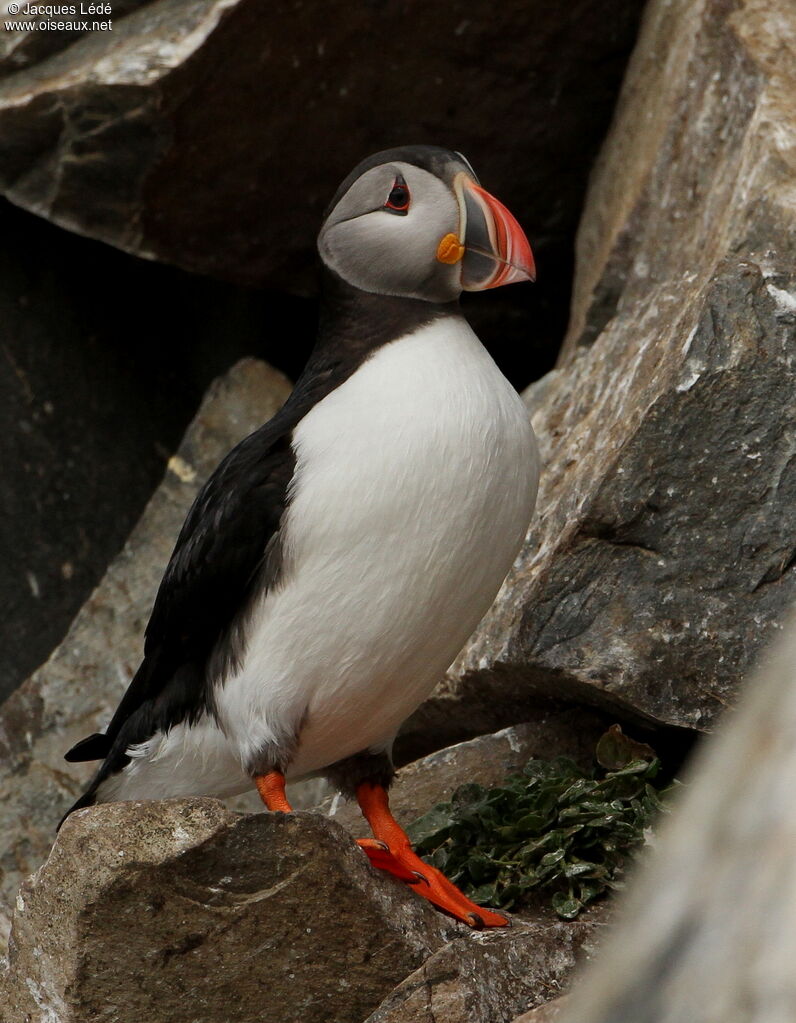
x: 553, y: 828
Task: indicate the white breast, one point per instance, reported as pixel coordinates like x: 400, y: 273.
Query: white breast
x: 414, y: 486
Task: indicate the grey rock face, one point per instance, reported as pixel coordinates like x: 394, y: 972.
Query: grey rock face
x: 181, y: 910
x: 663, y: 552
x: 75, y: 692
x: 550, y: 1012
x: 708, y: 931
x: 489, y: 978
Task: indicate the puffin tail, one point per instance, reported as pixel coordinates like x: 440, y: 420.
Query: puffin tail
x: 94, y: 747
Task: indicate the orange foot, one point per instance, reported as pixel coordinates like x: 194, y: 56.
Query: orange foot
x: 391, y: 851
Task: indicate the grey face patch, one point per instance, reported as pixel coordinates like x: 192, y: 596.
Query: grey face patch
x: 380, y: 252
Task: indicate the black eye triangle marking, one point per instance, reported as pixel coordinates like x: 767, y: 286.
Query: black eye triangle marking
x: 399, y: 198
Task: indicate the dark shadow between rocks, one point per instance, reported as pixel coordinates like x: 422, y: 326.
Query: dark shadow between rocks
x: 104, y: 359
x: 506, y: 695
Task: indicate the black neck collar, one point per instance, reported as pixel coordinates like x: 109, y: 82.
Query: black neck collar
x: 352, y: 325
x: 354, y: 320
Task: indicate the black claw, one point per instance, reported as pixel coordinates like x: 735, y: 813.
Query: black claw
x: 476, y: 921
x: 420, y: 877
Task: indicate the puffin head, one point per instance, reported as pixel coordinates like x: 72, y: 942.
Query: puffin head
x: 414, y: 222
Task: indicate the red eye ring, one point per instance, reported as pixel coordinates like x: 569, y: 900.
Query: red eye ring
x: 399, y: 198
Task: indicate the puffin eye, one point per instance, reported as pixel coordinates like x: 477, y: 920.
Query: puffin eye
x: 398, y: 199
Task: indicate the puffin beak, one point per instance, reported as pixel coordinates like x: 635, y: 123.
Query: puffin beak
x: 496, y: 250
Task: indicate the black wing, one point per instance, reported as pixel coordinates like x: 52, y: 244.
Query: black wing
x: 229, y: 541
x: 229, y: 536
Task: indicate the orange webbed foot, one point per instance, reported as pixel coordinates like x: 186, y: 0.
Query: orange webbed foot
x: 380, y: 856
x: 392, y: 852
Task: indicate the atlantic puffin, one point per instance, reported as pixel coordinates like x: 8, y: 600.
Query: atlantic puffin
x: 338, y: 558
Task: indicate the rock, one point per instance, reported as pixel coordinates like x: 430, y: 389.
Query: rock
x: 561, y: 722
x: 489, y: 978
x: 75, y: 692
x: 550, y: 1012
x: 708, y: 929
x: 180, y: 910
x: 662, y: 555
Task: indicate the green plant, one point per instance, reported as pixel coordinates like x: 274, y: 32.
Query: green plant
x: 552, y: 827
